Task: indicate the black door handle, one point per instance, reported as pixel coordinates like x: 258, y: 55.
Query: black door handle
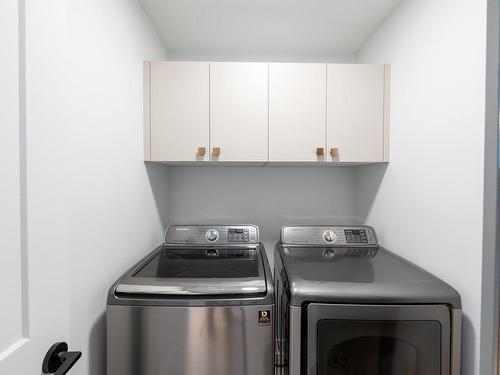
x: 58, y: 360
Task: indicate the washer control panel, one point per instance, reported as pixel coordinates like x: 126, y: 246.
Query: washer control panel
x: 238, y: 235
x: 212, y: 234
x: 329, y: 235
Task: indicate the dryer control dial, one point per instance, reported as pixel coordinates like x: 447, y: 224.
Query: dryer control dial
x: 212, y: 235
x: 329, y: 236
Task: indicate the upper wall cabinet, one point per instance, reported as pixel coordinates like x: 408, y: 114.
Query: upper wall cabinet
x: 238, y: 112
x: 179, y: 100
x: 357, y: 125
x: 257, y: 112
x: 297, y: 112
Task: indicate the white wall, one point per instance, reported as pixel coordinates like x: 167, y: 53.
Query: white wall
x: 269, y: 197
x: 89, y: 148
x: 427, y: 205
x: 113, y: 212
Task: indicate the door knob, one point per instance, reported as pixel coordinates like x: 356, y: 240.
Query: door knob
x: 58, y: 360
x: 320, y: 151
x: 201, y: 151
x: 216, y: 151
x: 334, y: 152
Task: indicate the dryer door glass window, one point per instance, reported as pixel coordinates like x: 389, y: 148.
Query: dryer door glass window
x: 352, y: 347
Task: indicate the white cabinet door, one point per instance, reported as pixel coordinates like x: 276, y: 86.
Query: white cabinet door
x: 179, y: 111
x: 297, y: 112
x: 239, y: 111
x: 355, y: 114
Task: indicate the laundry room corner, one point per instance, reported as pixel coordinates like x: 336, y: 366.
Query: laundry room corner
x: 233, y: 187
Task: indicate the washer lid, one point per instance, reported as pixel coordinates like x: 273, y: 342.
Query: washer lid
x: 359, y: 275
x: 198, y: 271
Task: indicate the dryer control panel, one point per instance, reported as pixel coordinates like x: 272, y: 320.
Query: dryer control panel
x: 329, y: 235
x: 212, y: 234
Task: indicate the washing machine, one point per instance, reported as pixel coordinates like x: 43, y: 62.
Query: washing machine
x: 201, y: 303
x: 347, y: 306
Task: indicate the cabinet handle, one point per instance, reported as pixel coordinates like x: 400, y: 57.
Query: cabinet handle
x: 334, y: 152
x: 216, y: 151
x: 201, y: 151
x: 320, y: 151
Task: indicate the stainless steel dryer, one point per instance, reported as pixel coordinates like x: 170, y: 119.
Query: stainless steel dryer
x: 347, y: 306
x: 201, y: 303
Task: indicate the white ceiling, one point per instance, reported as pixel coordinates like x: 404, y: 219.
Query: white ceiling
x: 266, y: 29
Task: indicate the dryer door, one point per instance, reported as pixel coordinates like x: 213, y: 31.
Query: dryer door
x: 378, y: 340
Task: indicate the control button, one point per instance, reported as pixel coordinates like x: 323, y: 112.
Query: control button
x: 329, y: 236
x: 212, y: 235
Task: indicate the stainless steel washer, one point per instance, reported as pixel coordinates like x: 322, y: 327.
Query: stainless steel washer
x: 201, y: 303
x: 345, y: 305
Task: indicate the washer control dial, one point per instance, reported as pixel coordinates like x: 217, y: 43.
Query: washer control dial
x: 212, y: 235
x: 329, y: 236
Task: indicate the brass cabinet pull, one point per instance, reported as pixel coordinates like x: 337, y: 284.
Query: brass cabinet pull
x: 320, y: 151
x: 334, y: 152
x: 216, y: 151
x: 202, y: 151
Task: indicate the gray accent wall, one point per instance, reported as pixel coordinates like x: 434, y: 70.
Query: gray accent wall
x: 269, y: 197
